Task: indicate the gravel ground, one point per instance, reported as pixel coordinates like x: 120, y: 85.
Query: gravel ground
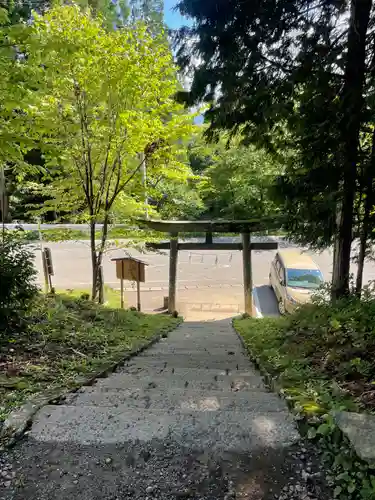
x: 157, y: 471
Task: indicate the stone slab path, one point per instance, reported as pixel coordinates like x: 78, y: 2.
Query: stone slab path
x: 189, y: 418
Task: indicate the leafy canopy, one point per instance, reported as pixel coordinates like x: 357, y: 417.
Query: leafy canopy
x: 102, y: 97
x: 238, y: 183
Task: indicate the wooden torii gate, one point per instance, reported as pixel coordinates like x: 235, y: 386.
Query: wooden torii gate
x: 245, y: 228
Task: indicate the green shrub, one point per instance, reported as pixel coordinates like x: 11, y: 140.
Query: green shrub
x: 322, y: 358
x: 17, y: 275
x: 323, y: 355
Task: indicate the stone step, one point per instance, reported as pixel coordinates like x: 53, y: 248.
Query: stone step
x: 234, y: 308
x: 133, y: 367
x: 220, y: 430
x: 199, y: 345
x: 203, y: 360
x: 188, y: 379
x: 200, y: 334
x: 183, y: 399
x: 207, y: 333
x: 162, y: 370
x: 196, y: 350
x: 208, y: 327
x: 219, y: 326
x: 191, y: 363
x: 186, y: 331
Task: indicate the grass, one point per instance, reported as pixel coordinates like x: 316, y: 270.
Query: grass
x: 112, y: 297
x: 322, y: 357
x: 64, y: 337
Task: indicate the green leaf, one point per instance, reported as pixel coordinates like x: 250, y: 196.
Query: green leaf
x: 351, y: 488
x: 344, y: 476
x: 311, y: 433
x: 324, y: 429
x: 337, y: 491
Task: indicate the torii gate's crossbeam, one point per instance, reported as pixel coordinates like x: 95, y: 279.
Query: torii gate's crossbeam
x: 267, y: 245
x: 217, y: 226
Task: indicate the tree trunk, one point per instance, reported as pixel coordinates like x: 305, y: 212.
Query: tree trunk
x: 99, y: 258
x: 94, y: 261
x: 351, y: 105
x: 369, y: 192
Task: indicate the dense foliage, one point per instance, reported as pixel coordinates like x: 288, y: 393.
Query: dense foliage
x: 238, y: 182
x: 27, y: 188
x: 17, y: 277
x: 96, y: 129
x: 323, y: 354
x: 299, y: 76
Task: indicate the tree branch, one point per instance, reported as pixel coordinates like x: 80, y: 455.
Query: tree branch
x: 89, y: 158
x: 124, y: 184
x: 77, y: 93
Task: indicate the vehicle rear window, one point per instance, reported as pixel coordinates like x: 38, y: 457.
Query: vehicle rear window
x: 304, y: 278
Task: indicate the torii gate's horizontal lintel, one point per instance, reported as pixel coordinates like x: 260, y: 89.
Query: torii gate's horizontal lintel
x: 208, y: 226
x: 267, y: 245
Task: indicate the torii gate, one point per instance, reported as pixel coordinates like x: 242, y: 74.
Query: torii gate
x: 245, y: 228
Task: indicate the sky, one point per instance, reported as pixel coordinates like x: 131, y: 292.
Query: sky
x: 173, y: 19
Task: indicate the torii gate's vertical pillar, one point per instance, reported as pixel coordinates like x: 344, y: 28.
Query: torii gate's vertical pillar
x: 247, y: 274
x: 173, y: 258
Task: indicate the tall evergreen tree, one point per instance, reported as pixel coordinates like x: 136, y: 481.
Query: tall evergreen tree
x: 303, y: 68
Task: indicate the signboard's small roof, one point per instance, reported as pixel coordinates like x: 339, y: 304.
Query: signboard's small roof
x: 128, y: 257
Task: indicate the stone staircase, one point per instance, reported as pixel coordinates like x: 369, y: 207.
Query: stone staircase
x: 197, y: 387
x: 189, y: 418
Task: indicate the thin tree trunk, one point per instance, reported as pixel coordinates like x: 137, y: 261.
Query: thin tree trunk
x: 352, y: 105
x: 365, y: 229
x: 94, y: 261
x: 99, y: 255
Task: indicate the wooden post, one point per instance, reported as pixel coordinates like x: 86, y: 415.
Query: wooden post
x: 138, y: 286
x: 173, y: 255
x: 51, y: 289
x: 45, y: 272
x: 122, y: 292
x: 209, y: 238
x: 247, y: 275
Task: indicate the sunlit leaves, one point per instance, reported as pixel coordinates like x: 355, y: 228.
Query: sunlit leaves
x: 100, y: 98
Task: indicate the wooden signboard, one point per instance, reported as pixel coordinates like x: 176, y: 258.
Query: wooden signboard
x: 130, y: 269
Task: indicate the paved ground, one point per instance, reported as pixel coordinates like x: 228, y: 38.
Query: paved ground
x: 72, y: 266
x: 204, y: 277
x: 189, y: 418
x: 215, y: 298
